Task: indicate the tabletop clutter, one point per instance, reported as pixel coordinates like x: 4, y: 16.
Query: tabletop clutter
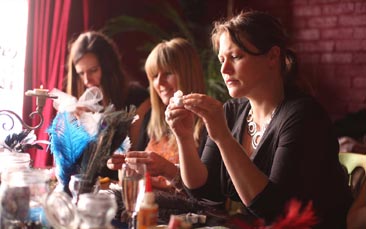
x: 69, y: 195
x: 28, y: 201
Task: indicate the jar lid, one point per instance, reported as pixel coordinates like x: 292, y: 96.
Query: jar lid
x: 60, y: 211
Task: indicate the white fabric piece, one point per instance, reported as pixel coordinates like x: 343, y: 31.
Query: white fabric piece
x: 89, y: 99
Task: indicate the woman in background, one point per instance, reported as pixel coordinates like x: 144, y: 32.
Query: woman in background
x: 94, y: 60
x: 260, y: 149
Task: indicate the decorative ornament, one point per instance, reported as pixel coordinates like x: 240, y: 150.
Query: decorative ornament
x: 252, y: 128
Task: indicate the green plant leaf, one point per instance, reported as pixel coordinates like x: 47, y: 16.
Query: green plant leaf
x: 171, y: 14
x: 125, y: 23
x: 215, y: 85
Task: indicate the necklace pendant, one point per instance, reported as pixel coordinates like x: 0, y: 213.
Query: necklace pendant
x: 253, y: 131
x: 256, y: 139
x: 252, y: 128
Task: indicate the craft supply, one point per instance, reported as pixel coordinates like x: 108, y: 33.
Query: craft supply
x: 148, y: 214
x: 178, y: 98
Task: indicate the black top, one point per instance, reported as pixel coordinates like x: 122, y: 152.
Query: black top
x: 136, y: 95
x: 299, y: 154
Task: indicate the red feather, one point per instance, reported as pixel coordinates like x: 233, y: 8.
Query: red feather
x: 297, y: 217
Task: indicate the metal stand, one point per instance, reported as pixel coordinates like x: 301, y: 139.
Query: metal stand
x: 40, y: 102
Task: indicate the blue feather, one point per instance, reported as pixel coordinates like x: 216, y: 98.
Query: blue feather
x: 68, y: 141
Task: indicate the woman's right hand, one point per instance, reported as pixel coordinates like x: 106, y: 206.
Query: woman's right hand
x: 116, y: 161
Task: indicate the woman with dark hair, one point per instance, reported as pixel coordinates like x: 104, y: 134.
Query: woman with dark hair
x: 94, y: 61
x: 260, y: 149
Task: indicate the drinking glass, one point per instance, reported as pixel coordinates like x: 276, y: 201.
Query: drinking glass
x: 132, y: 181
x: 79, y: 184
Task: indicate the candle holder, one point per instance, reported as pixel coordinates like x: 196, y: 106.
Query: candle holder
x: 41, y: 96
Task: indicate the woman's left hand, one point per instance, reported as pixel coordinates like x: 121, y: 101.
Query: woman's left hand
x: 179, y: 119
x: 211, y: 111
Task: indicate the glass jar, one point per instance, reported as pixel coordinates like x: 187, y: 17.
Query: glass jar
x: 22, y: 195
x: 106, y: 205
x: 80, y: 184
x: 10, y: 161
x: 94, y: 210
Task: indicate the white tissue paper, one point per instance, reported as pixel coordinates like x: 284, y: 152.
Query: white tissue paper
x: 178, y: 98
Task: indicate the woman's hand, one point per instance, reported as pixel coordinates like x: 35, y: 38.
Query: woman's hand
x: 211, y: 111
x: 156, y: 165
x: 179, y: 119
x: 116, y: 161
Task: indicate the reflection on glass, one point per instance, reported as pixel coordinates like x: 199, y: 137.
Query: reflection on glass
x: 132, y: 181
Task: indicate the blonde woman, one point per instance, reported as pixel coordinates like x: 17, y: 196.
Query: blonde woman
x: 171, y: 66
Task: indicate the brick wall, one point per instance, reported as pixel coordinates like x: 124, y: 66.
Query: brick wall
x: 330, y: 39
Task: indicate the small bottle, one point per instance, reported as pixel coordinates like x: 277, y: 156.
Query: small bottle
x: 148, y: 214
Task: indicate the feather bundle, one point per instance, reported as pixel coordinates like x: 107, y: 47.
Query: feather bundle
x: 90, y: 138
x: 22, y: 141
x: 68, y: 141
x: 113, y: 130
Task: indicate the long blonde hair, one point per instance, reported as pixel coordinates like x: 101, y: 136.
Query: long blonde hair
x: 179, y: 57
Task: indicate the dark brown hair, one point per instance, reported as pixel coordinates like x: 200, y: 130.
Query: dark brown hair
x: 113, y: 81
x: 263, y: 31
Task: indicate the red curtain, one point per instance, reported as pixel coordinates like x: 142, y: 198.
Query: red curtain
x: 45, y: 61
